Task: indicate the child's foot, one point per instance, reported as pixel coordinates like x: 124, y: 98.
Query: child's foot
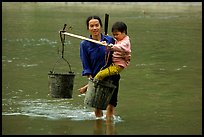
x: 83, y: 89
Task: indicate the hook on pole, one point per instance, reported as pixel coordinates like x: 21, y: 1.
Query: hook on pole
x: 63, y: 39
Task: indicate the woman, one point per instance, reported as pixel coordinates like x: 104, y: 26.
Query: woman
x: 93, y: 57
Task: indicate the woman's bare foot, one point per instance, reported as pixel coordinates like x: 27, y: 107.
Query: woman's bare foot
x: 83, y: 89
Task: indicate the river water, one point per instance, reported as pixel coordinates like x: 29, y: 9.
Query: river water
x: 159, y: 94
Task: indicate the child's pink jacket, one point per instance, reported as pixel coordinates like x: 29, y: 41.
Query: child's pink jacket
x: 122, y: 52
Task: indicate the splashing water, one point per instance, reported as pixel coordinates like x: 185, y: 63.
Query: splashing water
x: 56, y: 109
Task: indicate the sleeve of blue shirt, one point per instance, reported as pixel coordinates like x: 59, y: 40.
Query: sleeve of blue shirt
x: 85, y: 59
x: 93, y: 56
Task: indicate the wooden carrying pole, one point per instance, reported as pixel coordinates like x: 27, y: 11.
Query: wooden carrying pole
x: 84, y: 38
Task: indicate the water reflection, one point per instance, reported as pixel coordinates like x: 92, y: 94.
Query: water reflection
x: 104, y: 126
x: 98, y: 127
x: 110, y: 126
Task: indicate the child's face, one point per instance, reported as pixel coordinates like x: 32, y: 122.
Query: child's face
x: 118, y: 35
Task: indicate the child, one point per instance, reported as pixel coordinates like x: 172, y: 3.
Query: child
x: 121, y: 53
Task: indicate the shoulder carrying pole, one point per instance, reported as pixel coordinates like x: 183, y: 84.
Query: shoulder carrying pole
x: 84, y: 38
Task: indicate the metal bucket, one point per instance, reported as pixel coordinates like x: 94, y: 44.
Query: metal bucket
x: 61, y: 84
x: 98, y: 94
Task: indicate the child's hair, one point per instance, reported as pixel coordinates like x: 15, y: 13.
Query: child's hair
x: 93, y: 17
x: 119, y: 26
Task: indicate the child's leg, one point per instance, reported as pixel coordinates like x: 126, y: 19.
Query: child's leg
x: 111, y: 70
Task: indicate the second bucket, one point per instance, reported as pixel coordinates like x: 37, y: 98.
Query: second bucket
x: 98, y: 94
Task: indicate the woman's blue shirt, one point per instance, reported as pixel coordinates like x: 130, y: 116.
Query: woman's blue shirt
x: 93, y: 56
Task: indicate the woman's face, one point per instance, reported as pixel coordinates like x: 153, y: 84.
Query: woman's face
x: 94, y: 27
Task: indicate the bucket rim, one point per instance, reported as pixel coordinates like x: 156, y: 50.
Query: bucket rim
x: 61, y: 73
x: 106, y: 83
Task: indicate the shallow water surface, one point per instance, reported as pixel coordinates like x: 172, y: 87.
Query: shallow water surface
x: 160, y: 93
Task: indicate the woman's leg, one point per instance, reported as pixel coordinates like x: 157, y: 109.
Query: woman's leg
x: 98, y: 112
x: 110, y: 111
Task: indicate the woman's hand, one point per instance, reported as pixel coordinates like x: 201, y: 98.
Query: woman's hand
x: 109, y: 46
x: 104, y: 42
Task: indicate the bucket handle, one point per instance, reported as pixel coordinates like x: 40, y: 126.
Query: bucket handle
x: 70, y: 70
x: 62, y: 41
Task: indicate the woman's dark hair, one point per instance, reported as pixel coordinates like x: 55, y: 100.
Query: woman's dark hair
x: 92, y: 17
x: 119, y: 26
